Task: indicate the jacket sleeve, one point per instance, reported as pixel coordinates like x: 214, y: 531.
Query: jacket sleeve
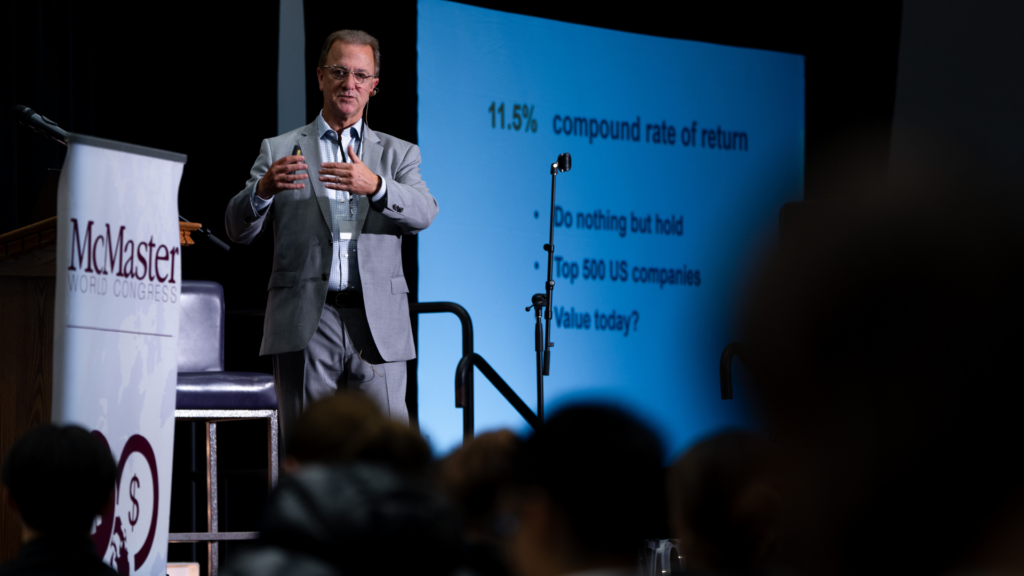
x: 409, y: 202
x: 241, y: 220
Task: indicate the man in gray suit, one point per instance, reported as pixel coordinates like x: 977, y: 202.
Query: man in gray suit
x: 340, y: 198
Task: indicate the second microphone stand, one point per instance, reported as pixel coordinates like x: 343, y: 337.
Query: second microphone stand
x: 542, y: 330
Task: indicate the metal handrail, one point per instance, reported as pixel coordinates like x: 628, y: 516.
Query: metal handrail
x: 467, y: 339
x: 464, y: 371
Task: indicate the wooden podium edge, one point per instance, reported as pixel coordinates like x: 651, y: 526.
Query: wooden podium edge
x: 16, y: 243
x: 185, y: 230
x: 32, y: 236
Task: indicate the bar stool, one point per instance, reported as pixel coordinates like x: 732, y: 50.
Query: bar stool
x: 205, y: 392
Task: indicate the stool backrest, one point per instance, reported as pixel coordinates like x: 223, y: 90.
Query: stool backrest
x: 201, y: 327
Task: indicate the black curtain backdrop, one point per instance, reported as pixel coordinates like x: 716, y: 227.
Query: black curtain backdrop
x: 200, y: 78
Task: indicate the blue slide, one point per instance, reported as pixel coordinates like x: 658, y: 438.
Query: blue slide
x: 683, y: 153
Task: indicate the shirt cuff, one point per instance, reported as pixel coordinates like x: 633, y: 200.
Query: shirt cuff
x: 259, y: 205
x: 383, y: 190
x: 379, y: 201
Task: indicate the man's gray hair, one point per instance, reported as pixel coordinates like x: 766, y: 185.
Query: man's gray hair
x: 355, y: 38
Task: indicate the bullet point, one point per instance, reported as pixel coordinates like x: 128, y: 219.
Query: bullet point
x: 536, y: 265
x: 536, y: 214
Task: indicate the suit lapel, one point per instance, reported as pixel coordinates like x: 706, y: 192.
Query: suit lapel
x: 310, y: 144
x: 373, y: 151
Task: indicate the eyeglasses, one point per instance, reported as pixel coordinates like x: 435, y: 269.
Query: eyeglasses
x: 341, y: 73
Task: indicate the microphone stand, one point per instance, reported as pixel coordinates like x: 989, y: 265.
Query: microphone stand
x: 542, y: 331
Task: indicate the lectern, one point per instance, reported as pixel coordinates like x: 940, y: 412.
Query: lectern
x: 27, y: 271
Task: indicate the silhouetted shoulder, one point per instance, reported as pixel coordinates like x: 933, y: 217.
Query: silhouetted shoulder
x: 45, y: 558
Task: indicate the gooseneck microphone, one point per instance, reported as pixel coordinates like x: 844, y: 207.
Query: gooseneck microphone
x: 40, y: 124
x: 208, y: 235
x: 49, y: 128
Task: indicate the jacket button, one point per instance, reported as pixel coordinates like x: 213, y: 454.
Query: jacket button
x: 248, y: 219
x: 323, y: 276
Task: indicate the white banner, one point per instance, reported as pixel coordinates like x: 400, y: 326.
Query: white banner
x: 116, y: 331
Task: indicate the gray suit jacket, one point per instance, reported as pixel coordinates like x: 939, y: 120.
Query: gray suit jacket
x: 303, y: 242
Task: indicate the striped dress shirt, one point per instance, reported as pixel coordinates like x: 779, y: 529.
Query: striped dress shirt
x: 344, y: 209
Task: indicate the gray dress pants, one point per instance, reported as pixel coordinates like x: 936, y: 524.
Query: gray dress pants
x: 340, y: 356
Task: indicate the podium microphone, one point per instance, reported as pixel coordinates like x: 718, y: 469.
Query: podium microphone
x: 209, y: 236
x: 41, y: 124
x: 49, y: 128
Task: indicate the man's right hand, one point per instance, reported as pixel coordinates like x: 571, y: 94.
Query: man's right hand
x: 280, y: 178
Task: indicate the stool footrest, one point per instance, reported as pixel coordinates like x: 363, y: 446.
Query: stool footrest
x: 211, y: 536
x: 221, y: 415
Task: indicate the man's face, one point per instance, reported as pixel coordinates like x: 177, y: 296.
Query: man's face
x: 345, y: 98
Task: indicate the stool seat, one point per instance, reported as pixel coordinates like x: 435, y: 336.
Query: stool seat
x: 226, y: 391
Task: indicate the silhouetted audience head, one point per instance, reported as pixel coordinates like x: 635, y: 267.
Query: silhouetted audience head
x: 349, y: 427
x: 473, y: 475
x: 589, y: 489
x: 726, y: 504
x: 883, y: 347
x: 59, y: 479
x: 353, y: 520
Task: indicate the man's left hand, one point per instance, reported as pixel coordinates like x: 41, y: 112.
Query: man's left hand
x: 353, y: 176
